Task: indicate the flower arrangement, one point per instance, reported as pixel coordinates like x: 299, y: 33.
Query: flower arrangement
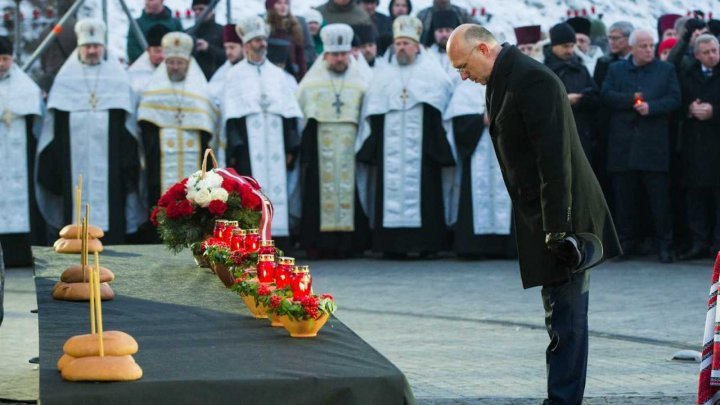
x: 185, y: 215
x: 305, y: 308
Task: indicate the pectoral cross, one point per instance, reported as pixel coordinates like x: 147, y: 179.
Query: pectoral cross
x: 404, y: 96
x: 93, y: 100
x: 264, y: 102
x: 338, y: 104
x: 7, y: 117
x: 179, y: 116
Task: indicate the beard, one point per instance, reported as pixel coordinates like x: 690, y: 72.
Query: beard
x: 91, y: 60
x: 176, y: 77
x: 338, y: 68
x: 404, y: 59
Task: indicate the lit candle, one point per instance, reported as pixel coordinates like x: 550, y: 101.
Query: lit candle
x: 266, y: 268
x: 301, y: 282
x: 283, y: 272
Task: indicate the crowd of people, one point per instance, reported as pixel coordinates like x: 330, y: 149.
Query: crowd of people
x: 357, y: 126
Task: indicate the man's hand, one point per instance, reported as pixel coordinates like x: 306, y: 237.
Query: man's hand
x: 201, y: 45
x: 574, y: 98
x: 701, y: 111
x: 562, y: 248
x: 486, y: 119
x: 642, y: 108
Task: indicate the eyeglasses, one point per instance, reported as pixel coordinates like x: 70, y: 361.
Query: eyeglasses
x: 615, y: 38
x: 462, y: 68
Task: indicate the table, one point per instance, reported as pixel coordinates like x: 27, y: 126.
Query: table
x: 199, y: 345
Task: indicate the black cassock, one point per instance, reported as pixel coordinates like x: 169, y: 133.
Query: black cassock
x: 54, y: 170
x: 311, y: 237
x: 436, y: 154
x: 16, y: 246
x: 468, y: 129
x: 237, y: 152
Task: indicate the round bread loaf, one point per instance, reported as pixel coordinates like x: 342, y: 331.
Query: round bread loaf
x: 115, y: 343
x: 71, y: 231
x: 63, y: 361
x: 74, y: 274
x: 72, y: 245
x: 107, y: 368
x: 80, y: 291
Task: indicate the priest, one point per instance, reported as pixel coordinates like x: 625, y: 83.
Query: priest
x: 143, y: 68
x: 443, y: 24
x: 233, y: 54
x: 482, y: 223
x: 260, y: 120
x: 177, y: 118
x: 20, y: 222
x: 89, y: 131
x: 402, y: 138
x: 330, y: 96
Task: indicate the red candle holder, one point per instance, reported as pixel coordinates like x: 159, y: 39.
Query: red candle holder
x: 266, y: 268
x: 283, y: 272
x: 237, y: 241
x: 252, y: 241
x: 219, y: 228
x: 230, y: 226
x: 267, y: 247
x: 301, y: 282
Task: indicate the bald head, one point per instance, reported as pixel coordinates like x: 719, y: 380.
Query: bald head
x: 472, y: 50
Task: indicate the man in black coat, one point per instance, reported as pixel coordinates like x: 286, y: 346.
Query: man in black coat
x: 556, y: 197
x: 582, y: 92
x: 700, y: 146
x: 209, y: 51
x: 642, y: 93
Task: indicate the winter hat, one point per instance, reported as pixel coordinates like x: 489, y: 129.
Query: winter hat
x: 6, y: 46
x: 177, y: 45
x: 155, y: 34
x: 529, y: 34
x: 714, y: 27
x: 313, y: 15
x: 667, y: 44
x: 364, y: 34
x: 230, y: 35
x: 666, y: 22
x: 597, y: 29
x: 562, y: 33
x: 445, y: 19
x: 200, y: 2
x: 90, y: 31
x: 581, y: 25
x: 270, y: 4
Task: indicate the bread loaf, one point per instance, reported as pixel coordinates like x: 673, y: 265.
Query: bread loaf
x: 64, y: 360
x: 74, y: 274
x: 72, y: 245
x: 80, y: 291
x: 115, y: 343
x: 107, y: 368
x: 71, y: 232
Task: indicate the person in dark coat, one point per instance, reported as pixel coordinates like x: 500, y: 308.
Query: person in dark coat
x: 153, y: 13
x: 285, y: 26
x: 642, y: 93
x: 381, y: 22
x: 582, y: 92
x: 682, y: 54
x: 554, y: 191
x: 209, y: 51
x: 700, y: 147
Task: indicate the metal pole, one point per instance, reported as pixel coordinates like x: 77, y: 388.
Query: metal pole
x: 107, y: 27
x: 57, y: 29
x: 202, y: 17
x: 228, y: 11
x: 134, y: 26
x: 18, y: 34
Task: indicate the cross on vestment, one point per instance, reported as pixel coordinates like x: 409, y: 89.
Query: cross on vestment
x: 93, y: 100
x: 404, y: 96
x: 264, y: 102
x: 179, y: 116
x: 338, y: 104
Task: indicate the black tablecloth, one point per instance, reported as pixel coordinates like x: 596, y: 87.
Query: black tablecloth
x: 198, y: 344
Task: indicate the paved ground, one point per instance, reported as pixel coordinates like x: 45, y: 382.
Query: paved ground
x: 465, y: 332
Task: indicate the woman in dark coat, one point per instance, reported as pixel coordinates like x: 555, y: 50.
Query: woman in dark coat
x: 284, y: 25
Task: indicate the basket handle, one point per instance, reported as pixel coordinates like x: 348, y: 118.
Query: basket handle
x: 208, y: 152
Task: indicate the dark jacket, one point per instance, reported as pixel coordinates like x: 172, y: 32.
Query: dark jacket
x: 213, y: 57
x: 146, y: 21
x: 640, y: 142
x: 425, y: 16
x: 700, y: 140
x: 547, y: 175
x: 602, y: 66
x: 383, y: 24
x: 577, y: 79
x: 56, y: 53
x: 350, y: 14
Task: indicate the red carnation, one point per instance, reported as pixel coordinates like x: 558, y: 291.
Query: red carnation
x: 250, y: 199
x: 217, y: 207
x: 166, y: 200
x: 153, y: 216
x: 228, y: 185
x: 177, y: 191
x: 263, y: 290
x: 179, y: 210
x: 275, y: 301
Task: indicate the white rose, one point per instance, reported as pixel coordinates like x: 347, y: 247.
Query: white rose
x: 219, y: 194
x: 202, y: 185
x: 191, y: 193
x: 202, y: 198
x: 193, y: 179
x: 213, y: 180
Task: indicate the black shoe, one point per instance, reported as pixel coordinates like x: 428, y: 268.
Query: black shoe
x: 34, y: 360
x: 665, y: 256
x: 695, y: 252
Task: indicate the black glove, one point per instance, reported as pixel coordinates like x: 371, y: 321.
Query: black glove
x: 691, y: 26
x: 562, y: 247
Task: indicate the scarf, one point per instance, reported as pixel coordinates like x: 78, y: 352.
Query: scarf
x: 709, y: 385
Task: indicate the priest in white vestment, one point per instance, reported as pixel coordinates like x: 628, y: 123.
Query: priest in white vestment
x: 330, y: 95
x: 443, y: 23
x: 89, y: 131
x: 260, y: 115
x: 403, y: 147
x: 141, y: 71
x: 482, y: 222
x: 20, y: 112
x: 176, y: 116
x: 233, y: 54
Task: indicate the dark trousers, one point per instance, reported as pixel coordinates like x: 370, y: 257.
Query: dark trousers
x: 566, y: 319
x: 703, y: 206
x: 627, y: 188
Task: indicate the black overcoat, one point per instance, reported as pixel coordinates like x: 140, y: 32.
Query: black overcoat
x: 548, y: 177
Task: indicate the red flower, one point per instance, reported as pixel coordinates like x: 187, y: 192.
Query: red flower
x: 263, y: 290
x: 228, y: 185
x: 153, y: 216
x: 179, y: 210
x: 217, y: 207
x: 327, y: 296
x: 275, y: 301
x: 177, y: 191
x: 239, y: 280
x: 237, y: 257
x: 250, y: 199
x: 184, y: 181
